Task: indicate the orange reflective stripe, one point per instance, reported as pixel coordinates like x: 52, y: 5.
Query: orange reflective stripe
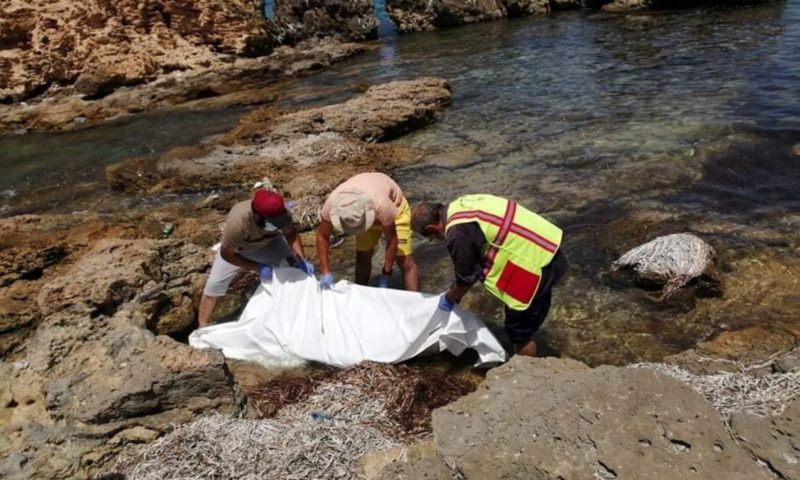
x: 480, y: 215
x: 534, y: 238
x: 502, y: 234
x: 506, y: 224
x: 514, y: 228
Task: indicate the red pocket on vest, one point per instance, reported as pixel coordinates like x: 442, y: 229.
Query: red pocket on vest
x: 518, y: 283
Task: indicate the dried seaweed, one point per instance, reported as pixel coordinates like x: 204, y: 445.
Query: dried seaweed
x: 410, y: 393
x: 739, y: 391
x: 671, y: 260
x: 320, y: 427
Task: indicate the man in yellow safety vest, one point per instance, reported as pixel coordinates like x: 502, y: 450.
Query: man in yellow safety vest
x: 513, y: 251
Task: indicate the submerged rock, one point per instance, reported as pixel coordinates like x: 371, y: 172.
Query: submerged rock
x: 549, y: 419
x: 670, y: 262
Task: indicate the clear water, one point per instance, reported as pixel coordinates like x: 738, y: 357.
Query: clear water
x: 40, y: 170
x: 619, y: 128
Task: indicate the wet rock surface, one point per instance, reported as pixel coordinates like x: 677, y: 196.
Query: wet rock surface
x: 326, y: 144
x: 548, y: 419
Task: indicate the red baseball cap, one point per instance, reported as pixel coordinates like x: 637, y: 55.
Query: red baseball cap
x: 270, y: 206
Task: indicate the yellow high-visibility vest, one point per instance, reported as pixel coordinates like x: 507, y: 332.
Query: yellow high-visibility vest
x: 519, y: 243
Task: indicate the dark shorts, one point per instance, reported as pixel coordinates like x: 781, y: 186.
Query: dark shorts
x: 522, y: 324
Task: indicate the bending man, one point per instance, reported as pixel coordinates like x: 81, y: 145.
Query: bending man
x: 513, y: 251
x: 256, y: 237
x: 369, y: 205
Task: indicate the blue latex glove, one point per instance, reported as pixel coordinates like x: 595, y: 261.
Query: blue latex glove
x: 265, y: 272
x: 383, y: 281
x: 306, y: 266
x: 326, y: 281
x: 445, y: 305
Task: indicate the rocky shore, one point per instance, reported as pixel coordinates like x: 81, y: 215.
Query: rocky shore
x: 553, y: 418
x: 88, y: 299
x: 93, y: 306
x: 68, y: 65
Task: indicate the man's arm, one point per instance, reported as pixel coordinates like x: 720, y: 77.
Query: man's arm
x: 457, y: 292
x: 230, y: 256
x: 294, y: 242
x: 464, y: 243
x: 390, y: 233
x: 324, y: 232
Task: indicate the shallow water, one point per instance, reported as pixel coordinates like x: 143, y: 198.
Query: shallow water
x: 619, y: 128
x: 41, y: 170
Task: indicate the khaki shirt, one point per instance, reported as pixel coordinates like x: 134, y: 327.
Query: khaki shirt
x: 242, y: 232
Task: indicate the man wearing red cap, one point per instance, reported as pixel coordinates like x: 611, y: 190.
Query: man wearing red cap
x: 256, y: 237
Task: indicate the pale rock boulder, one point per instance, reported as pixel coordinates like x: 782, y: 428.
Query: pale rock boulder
x: 774, y: 440
x: 553, y: 419
x: 162, y: 279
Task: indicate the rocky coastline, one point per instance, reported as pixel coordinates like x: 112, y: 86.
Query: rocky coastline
x: 68, y: 65
x: 93, y: 306
x: 87, y: 367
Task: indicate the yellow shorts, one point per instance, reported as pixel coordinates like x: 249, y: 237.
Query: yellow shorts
x: 368, y: 240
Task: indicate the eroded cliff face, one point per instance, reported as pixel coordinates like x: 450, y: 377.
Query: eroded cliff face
x: 350, y: 20
x: 99, y: 45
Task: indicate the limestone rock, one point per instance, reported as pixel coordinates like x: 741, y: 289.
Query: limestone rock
x: 558, y: 5
x: 416, y: 15
x: 327, y: 144
x: 672, y: 261
x: 549, y: 419
x: 425, y: 469
x: 383, y: 112
x: 162, y: 276
x: 118, y: 386
x: 373, y: 463
x: 773, y: 440
x: 107, y: 44
x: 351, y: 20
x: 215, y: 82
x: 521, y: 8
x: 622, y: 6
x: 128, y: 373
x: 21, y: 268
